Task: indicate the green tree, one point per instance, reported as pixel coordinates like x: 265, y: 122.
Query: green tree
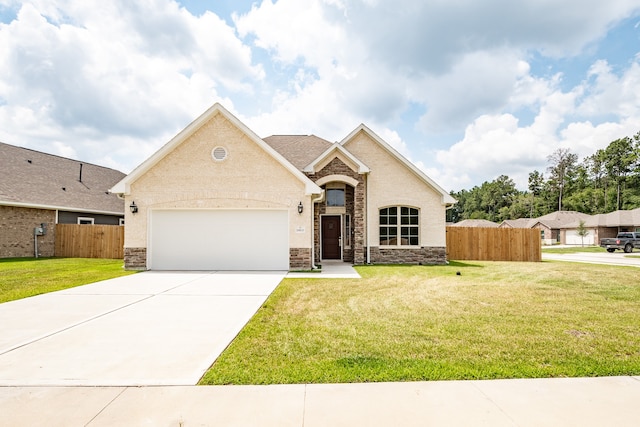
x: 597, y: 173
x: 621, y: 158
x: 536, y: 184
x: 496, y: 195
x: 582, y: 231
x: 562, y: 166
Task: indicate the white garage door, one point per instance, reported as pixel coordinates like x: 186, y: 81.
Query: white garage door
x: 219, y: 240
x: 573, y: 238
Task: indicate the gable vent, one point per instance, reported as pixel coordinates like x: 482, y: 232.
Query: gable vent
x: 219, y: 154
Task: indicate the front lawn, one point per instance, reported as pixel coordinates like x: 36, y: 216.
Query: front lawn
x: 25, y: 277
x: 410, y: 323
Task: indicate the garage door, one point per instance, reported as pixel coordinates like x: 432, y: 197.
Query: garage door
x: 572, y: 238
x: 219, y: 240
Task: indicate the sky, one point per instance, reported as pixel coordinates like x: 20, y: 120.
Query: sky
x: 467, y: 90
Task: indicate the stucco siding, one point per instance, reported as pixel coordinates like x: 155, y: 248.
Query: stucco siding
x: 391, y: 183
x: 188, y: 177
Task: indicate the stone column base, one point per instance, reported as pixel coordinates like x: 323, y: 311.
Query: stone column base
x: 300, y: 259
x: 135, y: 258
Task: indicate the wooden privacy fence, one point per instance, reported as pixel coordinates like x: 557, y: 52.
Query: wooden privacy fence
x: 493, y: 244
x: 89, y: 241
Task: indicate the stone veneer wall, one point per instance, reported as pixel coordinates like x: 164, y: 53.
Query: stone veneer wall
x: 349, y: 202
x: 16, y: 236
x: 354, y: 207
x: 300, y: 259
x: 422, y: 256
x: 135, y: 258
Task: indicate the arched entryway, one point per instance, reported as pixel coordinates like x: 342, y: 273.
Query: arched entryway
x: 335, y: 218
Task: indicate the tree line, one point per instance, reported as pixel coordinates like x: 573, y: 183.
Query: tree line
x: 606, y: 181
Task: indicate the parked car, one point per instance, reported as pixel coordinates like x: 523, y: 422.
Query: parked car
x: 624, y: 241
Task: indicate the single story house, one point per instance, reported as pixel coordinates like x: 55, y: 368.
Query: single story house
x: 218, y: 197
x: 517, y: 223
x: 551, y: 225
x: 476, y: 223
x: 39, y: 190
x: 602, y: 226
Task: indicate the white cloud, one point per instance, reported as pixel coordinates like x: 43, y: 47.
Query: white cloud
x: 375, y: 58
x: 114, y: 80
x: 480, y: 82
x: 610, y: 93
x: 296, y: 30
x: 102, y: 75
x: 498, y: 144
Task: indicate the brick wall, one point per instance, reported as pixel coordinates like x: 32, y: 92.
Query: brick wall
x: 135, y: 258
x: 422, y: 256
x: 16, y: 232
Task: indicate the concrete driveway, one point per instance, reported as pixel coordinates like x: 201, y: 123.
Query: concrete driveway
x: 151, y: 328
x: 615, y: 258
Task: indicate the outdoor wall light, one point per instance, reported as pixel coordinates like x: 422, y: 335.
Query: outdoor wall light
x: 300, y: 208
x: 133, y: 207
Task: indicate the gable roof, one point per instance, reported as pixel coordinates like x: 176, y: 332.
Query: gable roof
x: 558, y: 219
x: 34, y: 179
x: 123, y: 187
x: 330, y: 152
x: 447, y: 199
x: 620, y: 218
x: 518, y: 223
x: 300, y: 150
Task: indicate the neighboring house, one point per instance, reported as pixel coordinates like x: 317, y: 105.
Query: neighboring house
x: 562, y: 226
x: 602, y: 226
x: 477, y: 223
x: 550, y: 225
x: 218, y: 197
x: 39, y: 190
x: 517, y: 223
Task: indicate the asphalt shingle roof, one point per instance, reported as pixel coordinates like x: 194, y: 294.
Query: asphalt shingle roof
x: 34, y: 178
x: 558, y: 219
x: 518, y: 223
x: 299, y: 150
x: 622, y: 218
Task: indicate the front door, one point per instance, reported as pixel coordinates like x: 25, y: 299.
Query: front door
x: 330, y: 231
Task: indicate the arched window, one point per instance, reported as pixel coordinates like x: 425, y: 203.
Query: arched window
x: 399, y: 226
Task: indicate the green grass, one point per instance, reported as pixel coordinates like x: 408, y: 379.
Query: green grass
x: 572, y: 250
x: 494, y: 320
x: 25, y: 277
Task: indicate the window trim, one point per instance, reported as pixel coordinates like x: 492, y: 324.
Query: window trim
x: 395, y: 222
x: 90, y: 221
x: 346, y: 236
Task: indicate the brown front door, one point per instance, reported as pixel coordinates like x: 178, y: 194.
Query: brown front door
x: 330, y: 229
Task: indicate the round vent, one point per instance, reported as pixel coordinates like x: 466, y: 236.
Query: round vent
x: 219, y: 154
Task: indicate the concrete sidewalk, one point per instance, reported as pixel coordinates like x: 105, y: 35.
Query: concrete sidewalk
x: 608, y: 401
x: 330, y: 270
x: 616, y: 258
